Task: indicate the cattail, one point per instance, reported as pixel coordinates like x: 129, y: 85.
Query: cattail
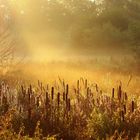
x: 22, y: 89
x: 113, y: 90
x: 37, y: 102
x: 64, y: 96
x: 29, y: 95
x: 119, y: 93
x: 88, y: 92
x: 47, y: 98
x: 58, y: 98
x: 30, y: 89
x: 67, y: 92
x: 52, y: 93
x: 67, y: 89
x: 125, y: 96
x: 78, y: 86
x: 124, y: 108
x: 132, y: 107
x: 86, y: 84
x: 96, y: 86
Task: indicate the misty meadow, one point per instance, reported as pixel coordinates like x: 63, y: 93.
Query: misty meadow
x: 69, y: 70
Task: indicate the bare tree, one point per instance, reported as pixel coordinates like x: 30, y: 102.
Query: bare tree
x: 6, y: 48
x: 8, y: 44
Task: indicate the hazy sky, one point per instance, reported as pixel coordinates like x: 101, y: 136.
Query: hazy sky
x: 24, y: 18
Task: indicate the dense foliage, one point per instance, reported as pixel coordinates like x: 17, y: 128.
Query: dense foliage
x: 110, y: 24
x: 81, y: 112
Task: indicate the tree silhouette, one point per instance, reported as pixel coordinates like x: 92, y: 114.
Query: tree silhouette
x: 8, y: 41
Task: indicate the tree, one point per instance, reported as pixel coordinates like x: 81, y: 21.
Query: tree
x: 8, y: 43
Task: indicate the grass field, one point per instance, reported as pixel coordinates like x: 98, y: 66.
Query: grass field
x: 98, y: 105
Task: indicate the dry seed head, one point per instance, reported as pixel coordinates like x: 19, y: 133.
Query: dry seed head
x: 37, y: 102
x: 126, y: 97
x: 119, y: 93
x: 86, y: 84
x: 67, y: 89
x: 132, y: 106
x: 113, y: 91
x: 52, y: 93
x: 58, y: 98
x: 124, y: 107
x: 64, y: 96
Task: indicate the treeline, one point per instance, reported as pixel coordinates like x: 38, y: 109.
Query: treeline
x: 88, y: 24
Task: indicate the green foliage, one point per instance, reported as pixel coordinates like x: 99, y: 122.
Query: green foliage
x: 84, y: 24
